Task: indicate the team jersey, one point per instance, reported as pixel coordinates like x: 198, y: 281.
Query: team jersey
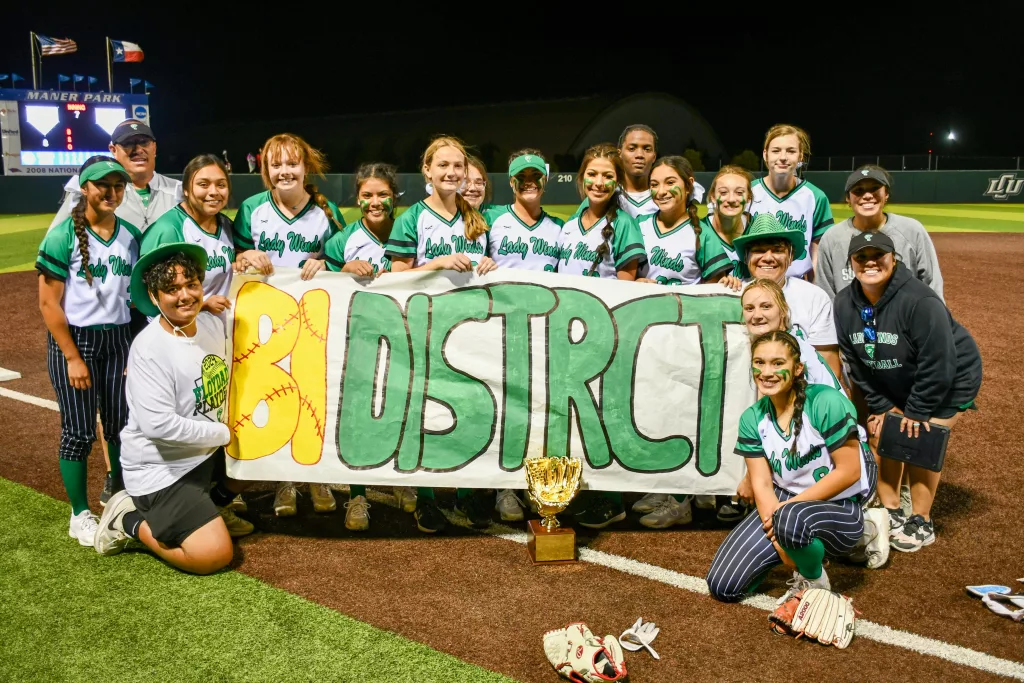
x: 356, y: 243
x: 106, y: 302
x: 805, y: 208
x: 672, y: 255
x: 260, y: 225
x: 713, y: 253
x: 637, y: 204
x: 828, y: 421
x: 816, y: 370
x: 421, y: 234
x: 178, y: 226
x: 514, y: 244
x: 579, y: 246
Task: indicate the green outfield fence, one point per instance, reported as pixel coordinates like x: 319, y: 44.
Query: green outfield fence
x: 43, y: 194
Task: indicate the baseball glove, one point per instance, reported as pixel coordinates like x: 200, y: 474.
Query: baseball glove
x: 582, y: 657
x: 816, y: 613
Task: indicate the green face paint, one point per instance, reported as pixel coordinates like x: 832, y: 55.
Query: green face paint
x: 783, y: 373
x: 756, y: 372
x: 388, y: 203
x: 610, y: 185
x: 588, y: 183
x: 364, y: 205
x: 676, y: 191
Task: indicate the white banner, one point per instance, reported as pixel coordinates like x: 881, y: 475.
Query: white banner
x: 450, y: 379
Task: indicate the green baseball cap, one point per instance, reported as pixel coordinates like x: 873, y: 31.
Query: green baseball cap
x: 137, y: 288
x: 765, y: 227
x: 101, y: 169
x: 525, y: 161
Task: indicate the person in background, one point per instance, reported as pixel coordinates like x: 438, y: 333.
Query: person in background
x: 251, y: 160
x: 477, y: 190
x: 638, y: 147
x: 867, y: 192
x: 227, y: 164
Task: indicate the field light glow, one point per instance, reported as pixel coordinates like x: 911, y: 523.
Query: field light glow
x: 951, y: 136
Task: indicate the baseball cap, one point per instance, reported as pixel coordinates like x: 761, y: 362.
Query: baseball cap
x: 129, y: 129
x: 525, y: 161
x: 878, y: 240
x: 864, y: 174
x: 101, y: 169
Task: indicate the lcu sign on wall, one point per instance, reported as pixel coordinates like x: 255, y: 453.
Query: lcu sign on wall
x: 447, y: 379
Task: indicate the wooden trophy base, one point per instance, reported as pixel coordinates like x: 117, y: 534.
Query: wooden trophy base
x: 550, y: 547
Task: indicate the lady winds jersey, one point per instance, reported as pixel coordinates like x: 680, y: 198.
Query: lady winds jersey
x: 356, y: 243
x: 671, y: 256
x: 178, y: 226
x: 288, y: 242
x: 804, y: 208
x: 514, y: 244
x: 423, y: 235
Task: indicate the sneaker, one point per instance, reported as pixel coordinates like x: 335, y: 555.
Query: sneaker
x: 83, y: 527
x: 476, y: 509
x: 873, y: 548
x: 110, y: 537
x: 799, y: 583
x: 111, y: 485
x: 405, y: 496
x: 238, y: 504
x: 705, y: 502
x: 509, y: 506
x: 357, y: 514
x: 905, y: 503
x: 896, y: 520
x: 669, y: 513
x: 915, y: 534
x: 650, y: 502
x: 601, y: 512
x: 429, y: 518
x: 237, y: 527
x: 284, y: 499
x: 323, y: 499
x: 734, y: 510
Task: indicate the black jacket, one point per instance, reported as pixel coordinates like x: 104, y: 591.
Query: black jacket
x: 923, y: 358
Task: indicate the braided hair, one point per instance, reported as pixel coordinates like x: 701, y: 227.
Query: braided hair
x: 611, y: 153
x: 799, y: 380
x: 80, y: 222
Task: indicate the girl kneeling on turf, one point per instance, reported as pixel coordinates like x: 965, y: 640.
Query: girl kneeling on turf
x: 810, y: 472
x: 84, y: 265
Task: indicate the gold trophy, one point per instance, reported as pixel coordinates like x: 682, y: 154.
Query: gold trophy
x: 551, y: 483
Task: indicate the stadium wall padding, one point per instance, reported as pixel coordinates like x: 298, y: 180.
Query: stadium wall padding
x: 42, y: 194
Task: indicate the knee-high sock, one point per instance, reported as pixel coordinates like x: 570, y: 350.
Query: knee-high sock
x: 808, y: 559
x: 425, y: 492
x: 114, y: 454
x: 73, y: 472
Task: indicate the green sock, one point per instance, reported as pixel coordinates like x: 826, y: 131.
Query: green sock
x: 756, y: 583
x: 425, y: 492
x: 613, y: 496
x: 808, y: 559
x: 462, y: 494
x: 356, y: 490
x: 114, y: 453
x: 73, y: 472
x: 680, y: 497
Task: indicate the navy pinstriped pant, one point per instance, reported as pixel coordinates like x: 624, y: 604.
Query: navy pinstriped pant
x: 105, y: 352
x: 746, y: 553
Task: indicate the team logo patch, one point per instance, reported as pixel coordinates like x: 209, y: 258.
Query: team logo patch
x: 212, y: 386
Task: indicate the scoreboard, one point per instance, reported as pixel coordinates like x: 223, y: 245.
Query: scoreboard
x: 47, y: 132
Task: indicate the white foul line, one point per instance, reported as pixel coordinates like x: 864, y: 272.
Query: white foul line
x: 865, y: 629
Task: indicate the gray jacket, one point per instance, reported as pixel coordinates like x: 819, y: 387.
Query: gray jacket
x: 165, y: 194
x: 913, y: 246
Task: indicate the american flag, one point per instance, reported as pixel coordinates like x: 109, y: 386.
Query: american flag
x: 55, y: 46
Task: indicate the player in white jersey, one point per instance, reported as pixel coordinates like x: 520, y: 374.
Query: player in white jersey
x: 522, y: 235
x: 443, y: 232
x: 796, y: 203
x: 206, y: 187
x: 84, y: 265
x: 287, y: 226
x: 671, y: 235
x: 810, y: 470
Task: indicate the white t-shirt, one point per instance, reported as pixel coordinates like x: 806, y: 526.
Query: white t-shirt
x: 671, y: 256
x: 805, y: 208
x: 176, y: 389
x: 514, y: 244
x: 421, y: 234
x: 810, y: 312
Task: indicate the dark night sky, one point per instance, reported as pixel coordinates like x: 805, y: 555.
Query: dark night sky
x: 879, y: 88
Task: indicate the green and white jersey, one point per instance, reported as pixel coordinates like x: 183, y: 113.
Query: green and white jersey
x: 637, y: 204
x: 672, y: 255
x: 828, y: 421
x: 816, y: 370
x: 106, y: 302
x: 260, y: 225
x: 805, y: 207
x: 714, y: 254
x: 514, y: 244
x: 421, y: 234
x: 579, y: 246
x: 356, y: 243
x: 178, y: 226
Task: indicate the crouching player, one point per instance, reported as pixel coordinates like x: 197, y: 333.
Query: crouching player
x: 810, y: 473
x: 175, y: 488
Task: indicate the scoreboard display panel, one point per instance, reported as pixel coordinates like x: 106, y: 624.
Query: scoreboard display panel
x: 45, y: 132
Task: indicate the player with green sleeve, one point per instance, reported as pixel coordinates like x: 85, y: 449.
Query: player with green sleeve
x: 672, y: 234
x: 729, y: 200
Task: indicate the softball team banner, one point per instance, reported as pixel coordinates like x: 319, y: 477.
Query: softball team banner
x: 448, y: 379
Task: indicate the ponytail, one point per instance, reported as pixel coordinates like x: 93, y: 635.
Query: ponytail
x: 476, y: 225
x: 691, y: 211
x: 321, y: 201
x: 79, y: 221
x: 800, y: 387
x: 608, y: 230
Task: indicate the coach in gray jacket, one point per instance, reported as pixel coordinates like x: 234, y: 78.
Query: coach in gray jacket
x: 867, y: 192
x: 151, y: 195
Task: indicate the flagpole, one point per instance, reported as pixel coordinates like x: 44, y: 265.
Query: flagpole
x: 110, y: 68
x: 32, y: 39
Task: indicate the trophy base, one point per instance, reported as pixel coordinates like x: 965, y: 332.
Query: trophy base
x: 550, y: 547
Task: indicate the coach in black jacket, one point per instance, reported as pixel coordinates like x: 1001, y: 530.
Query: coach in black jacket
x: 908, y: 355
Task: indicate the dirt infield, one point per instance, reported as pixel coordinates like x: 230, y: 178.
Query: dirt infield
x: 480, y: 599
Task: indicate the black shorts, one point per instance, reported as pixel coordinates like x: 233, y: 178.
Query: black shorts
x: 176, y: 512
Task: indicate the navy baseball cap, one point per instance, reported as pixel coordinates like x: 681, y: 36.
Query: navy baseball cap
x: 876, y: 174
x: 130, y: 129
x: 878, y: 240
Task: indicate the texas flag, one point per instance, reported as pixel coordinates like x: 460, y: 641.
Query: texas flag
x: 124, y: 51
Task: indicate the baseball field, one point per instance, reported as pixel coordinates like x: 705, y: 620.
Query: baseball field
x: 305, y: 599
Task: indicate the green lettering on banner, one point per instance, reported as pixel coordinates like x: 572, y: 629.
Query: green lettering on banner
x: 570, y: 366
x: 470, y: 400
x: 417, y: 316
x: 365, y: 439
x: 517, y: 303
x: 634, y: 450
x: 711, y: 314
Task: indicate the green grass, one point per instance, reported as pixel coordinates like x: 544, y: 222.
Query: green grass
x: 68, y: 614
x: 20, y: 235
